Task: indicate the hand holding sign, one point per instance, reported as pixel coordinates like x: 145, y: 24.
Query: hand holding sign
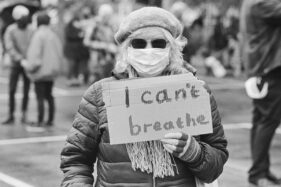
x: 181, y: 145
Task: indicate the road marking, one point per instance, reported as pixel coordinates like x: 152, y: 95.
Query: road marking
x: 231, y: 126
x: 5, y: 80
x: 17, y: 141
x: 57, y: 93
x: 236, y: 166
x: 228, y: 86
x: 13, y: 181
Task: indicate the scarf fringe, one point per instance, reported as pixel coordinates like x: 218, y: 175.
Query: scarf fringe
x: 151, y: 157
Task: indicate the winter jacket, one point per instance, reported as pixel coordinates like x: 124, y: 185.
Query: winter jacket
x: 88, y: 141
x: 260, y: 27
x: 45, y: 55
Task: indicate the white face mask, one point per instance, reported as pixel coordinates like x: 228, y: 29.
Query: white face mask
x: 148, y: 62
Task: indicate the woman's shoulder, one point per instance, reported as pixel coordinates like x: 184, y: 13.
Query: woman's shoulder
x: 185, y: 68
x: 95, y: 90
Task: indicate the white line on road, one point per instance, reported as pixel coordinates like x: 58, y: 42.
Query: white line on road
x: 57, y: 93
x: 13, y: 181
x: 231, y: 126
x: 4, y: 80
x: 228, y: 86
x: 236, y: 166
x: 32, y: 140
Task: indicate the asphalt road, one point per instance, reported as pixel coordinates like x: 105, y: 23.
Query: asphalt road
x: 28, y: 160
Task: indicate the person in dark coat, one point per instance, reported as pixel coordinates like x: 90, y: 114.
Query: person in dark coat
x: 144, y: 32
x: 75, y: 51
x: 260, y: 28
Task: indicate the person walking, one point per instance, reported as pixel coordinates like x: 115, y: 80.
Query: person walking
x: 17, y: 38
x: 44, y: 61
x: 151, y: 43
x: 260, y: 27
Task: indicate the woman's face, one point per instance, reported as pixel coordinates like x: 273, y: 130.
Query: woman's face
x: 148, y: 51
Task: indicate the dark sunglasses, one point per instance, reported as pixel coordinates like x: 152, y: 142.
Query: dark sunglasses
x: 141, y: 43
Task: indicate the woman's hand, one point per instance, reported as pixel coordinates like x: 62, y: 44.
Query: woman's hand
x: 182, y: 146
x: 176, y: 143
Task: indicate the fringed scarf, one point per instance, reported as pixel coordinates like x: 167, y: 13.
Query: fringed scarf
x: 151, y: 156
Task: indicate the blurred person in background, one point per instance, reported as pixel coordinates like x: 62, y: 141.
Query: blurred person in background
x: 192, y: 22
x: 151, y: 44
x: 17, y: 38
x: 232, y: 30
x: 43, y: 65
x: 260, y: 27
x: 216, y: 60
x: 218, y: 41
x: 100, y: 40
x: 75, y: 51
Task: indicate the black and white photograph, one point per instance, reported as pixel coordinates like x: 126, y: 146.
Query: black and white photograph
x: 140, y: 93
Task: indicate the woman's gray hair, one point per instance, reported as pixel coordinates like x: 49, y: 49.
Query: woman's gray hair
x: 175, y: 57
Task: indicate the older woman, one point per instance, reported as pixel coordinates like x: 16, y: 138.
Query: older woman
x: 151, y: 45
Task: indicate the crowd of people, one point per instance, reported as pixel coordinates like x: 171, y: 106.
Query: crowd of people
x: 34, y: 50
x: 212, y: 36
x: 213, y: 40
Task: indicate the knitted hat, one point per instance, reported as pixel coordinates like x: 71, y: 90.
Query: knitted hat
x: 148, y: 17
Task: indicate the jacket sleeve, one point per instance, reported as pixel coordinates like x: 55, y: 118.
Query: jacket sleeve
x: 80, y: 151
x: 209, y: 163
x: 10, y: 45
x: 270, y: 11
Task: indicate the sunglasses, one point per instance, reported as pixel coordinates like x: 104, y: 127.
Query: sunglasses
x: 141, y: 43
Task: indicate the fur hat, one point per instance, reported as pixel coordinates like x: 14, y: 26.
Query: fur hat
x: 148, y: 17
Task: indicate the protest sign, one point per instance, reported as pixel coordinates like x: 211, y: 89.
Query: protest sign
x: 148, y: 108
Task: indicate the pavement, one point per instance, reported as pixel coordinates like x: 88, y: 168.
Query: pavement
x: 31, y: 159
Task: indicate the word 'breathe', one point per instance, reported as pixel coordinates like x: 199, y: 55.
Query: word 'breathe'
x: 189, y: 121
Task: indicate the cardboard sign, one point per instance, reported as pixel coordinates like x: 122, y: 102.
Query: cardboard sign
x: 148, y: 108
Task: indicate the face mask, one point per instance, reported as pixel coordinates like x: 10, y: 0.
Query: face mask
x: 23, y: 22
x: 148, y: 62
